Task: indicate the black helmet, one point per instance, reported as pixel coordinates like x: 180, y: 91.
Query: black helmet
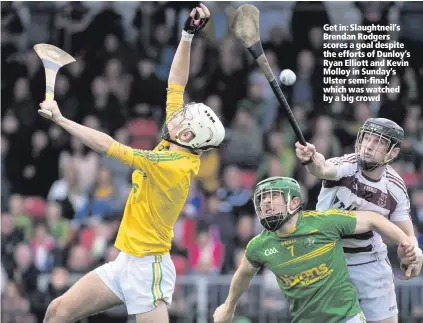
x: 386, y: 129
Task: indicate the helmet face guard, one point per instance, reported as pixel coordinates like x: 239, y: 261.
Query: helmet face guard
x: 272, y: 200
x: 206, y: 128
x: 385, y: 136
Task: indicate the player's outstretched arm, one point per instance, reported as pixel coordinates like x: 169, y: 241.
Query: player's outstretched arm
x: 239, y: 284
x: 371, y: 221
x: 179, y: 70
x: 96, y: 140
x: 315, y: 162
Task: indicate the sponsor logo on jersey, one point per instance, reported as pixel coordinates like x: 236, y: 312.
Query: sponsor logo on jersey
x: 307, y: 277
x: 382, y: 200
x: 288, y: 242
x: 269, y: 252
x: 371, y: 189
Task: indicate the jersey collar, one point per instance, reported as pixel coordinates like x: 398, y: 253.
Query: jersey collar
x: 294, y: 228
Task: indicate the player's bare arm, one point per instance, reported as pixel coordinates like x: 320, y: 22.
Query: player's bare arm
x: 96, y: 140
x: 239, y: 284
x: 179, y: 70
x: 371, y: 221
x: 315, y: 162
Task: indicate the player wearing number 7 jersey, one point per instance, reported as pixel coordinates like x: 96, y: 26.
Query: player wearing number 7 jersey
x: 304, y: 251
x: 143, y: 275
x: 365, y: 181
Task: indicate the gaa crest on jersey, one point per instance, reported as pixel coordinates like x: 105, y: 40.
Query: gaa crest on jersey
x: 309, y: 242
x: 382, y: 200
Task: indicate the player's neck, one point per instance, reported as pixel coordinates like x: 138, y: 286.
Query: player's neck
x: 289, y: 226
x: 375, y: 174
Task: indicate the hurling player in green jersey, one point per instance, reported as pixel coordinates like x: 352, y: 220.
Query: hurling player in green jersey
x: 304, y: 251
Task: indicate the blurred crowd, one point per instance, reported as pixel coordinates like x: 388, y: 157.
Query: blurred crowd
x: 61, y: 203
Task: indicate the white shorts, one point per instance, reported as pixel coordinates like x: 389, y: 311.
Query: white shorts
x: 140, y: 282
x: 376, y: 290
x: 359, y: 318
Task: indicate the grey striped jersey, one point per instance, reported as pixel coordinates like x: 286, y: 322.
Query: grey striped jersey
x: 353, y: 190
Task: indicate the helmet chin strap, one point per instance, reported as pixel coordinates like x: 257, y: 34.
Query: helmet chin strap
x: 279, y: 220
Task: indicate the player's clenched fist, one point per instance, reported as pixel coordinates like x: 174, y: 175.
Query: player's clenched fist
x: 197, y: 20
x: 223, y: 314
x: 304, y: 153
x: 51, y: 106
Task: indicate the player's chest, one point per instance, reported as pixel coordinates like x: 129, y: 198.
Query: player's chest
x: 362, y: 195
x: 308, y: 255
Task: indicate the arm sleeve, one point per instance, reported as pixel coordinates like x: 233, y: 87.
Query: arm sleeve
x: 345, y: 166
x: 251, y: 253
x: 402, y: 211
x: 158, y: 165
x: 175, y: 99
x: 339, y: 222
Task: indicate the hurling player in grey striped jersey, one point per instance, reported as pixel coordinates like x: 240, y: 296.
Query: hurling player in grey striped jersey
x: 365, y: 181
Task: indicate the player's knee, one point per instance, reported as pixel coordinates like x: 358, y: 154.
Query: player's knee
x: 57, y: 311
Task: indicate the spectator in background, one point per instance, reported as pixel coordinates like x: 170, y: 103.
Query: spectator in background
x: 411, y: 16
x: 228, y: 79
x: 280, y: 152
x: 39, y: 166
x: 42, y: 246
x: 147, y: 12
x: 25, y: 274
x: 222, y: 221
x: 79, y: 260
x: 316, y: 15
x: 66, y: 95
x: 302, y: 90
x: 417, y: 212
x: 22, y: 100
x: 147, y: 102
x: 162, y: 51
x: 245, y: 147
x: 57, y: 286
x: 81, y: 160
x: 5, y: 183
x: 10, y: 238
x: 257, y: 104
x: 107, y: 21
x: 58, y: 226
x: 68, y: 191
x: 279, y: 41
x: 195, y: 203
x: 101, y: 202
x: 206, y: 256
x: 36, y: 75
x: 71, y: 22
x: 232, y: 194
x: 21, y: 219
x: 17, y: 306
x: 118, y: 82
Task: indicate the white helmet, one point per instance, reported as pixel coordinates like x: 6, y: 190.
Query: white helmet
x: 203, y: 122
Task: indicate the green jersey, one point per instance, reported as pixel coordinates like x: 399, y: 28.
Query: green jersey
x: 310, y: 267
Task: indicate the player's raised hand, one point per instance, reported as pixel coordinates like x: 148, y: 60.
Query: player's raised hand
x: 197, y: 20
x: 51, y: 106
x: 223, y: 314
x: 304, y: 153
